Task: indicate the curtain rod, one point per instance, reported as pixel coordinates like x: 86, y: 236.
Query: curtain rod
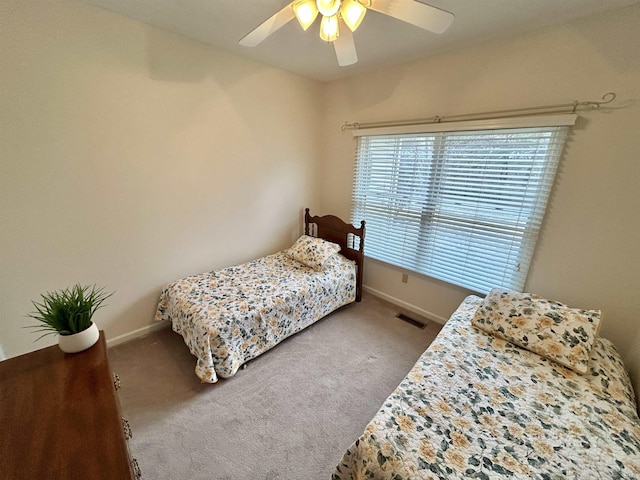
x: 559, y: 108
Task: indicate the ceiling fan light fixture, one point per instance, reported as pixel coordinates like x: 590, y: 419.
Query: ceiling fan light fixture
x: 352, y: 12
x: 329, y: 28
x: 306, y: 12
x: 328, y: 8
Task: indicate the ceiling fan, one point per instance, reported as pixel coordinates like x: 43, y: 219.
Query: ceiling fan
x: 338, y: 14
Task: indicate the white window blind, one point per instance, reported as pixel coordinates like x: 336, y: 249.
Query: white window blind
x: 462, y: 206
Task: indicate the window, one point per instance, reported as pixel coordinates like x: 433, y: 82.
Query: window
x: 465, y: 205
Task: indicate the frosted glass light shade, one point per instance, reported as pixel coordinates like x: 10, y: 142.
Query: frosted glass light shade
x: 352, y: 12
x: 306, y: 12
x: 329, y: 28
x: 328, y: 8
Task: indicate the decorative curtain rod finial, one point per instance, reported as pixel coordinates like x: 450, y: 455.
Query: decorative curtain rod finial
x: 349, y: 126
x: 606, y: 98
x: 611, y: 95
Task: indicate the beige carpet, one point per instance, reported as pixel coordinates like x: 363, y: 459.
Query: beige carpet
x: 290, y: 415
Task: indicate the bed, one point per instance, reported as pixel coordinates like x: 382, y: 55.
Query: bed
x: 476, y: 405
x: 230, y: 316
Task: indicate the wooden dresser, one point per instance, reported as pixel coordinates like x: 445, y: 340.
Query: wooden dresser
x: 60, y: 417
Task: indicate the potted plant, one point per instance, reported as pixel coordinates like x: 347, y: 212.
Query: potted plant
x: 68, y: 313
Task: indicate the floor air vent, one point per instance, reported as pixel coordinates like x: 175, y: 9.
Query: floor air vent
x: 410, y: 320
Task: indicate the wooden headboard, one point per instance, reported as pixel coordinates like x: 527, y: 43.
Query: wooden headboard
x: 350, y: 239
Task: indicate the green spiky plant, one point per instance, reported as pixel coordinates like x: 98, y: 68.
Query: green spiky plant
x: 67, y: 311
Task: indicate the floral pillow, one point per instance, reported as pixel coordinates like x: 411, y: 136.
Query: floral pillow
x: 560, y: 333
x: 312, y: 251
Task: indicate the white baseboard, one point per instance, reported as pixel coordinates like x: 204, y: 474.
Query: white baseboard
x: 407, y: 306
x: 154, y: 327
x: 396, y: 301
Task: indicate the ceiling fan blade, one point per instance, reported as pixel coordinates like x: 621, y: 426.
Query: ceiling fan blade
x: 269, y: 26
x: 418, y: 14
x: 345, y: 47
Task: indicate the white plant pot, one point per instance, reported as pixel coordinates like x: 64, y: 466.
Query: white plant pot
x: 79, y: 341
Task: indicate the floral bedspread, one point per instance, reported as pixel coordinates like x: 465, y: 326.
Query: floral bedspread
x: 476, y: 406
x: 230, y: 316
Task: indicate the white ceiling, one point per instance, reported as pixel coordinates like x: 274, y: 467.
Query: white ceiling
x: 380, y: 40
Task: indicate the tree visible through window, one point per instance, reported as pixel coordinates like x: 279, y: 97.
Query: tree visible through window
x: 462, y: 206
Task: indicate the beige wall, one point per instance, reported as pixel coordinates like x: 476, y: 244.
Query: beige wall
x: 131, y: 156
x: 588, y: 252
